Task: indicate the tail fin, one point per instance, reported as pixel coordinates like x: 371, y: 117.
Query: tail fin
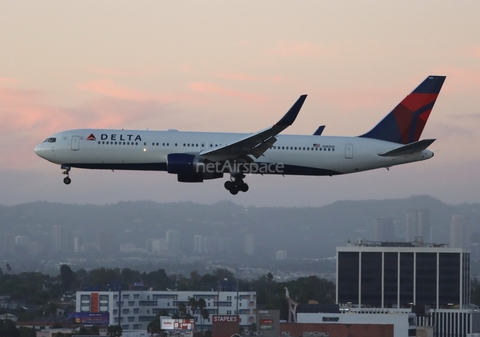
x: 405, y: 123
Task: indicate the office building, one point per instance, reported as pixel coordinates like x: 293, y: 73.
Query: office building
x: 374, y: 276
x: 459, y: 231
x: 418, y: 225
x: 139, y: 308
x: 281, y: 255
x: 249, y: 244
x: 210, y: 245
x: 198, y: 244
x: 58, y: 238
x: 173, y: 240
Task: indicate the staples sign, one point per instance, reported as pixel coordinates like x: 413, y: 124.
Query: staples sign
x: 225, y: 318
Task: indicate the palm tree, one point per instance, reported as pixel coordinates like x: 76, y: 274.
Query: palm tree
x: 114, y: 331
x: 201, y: 305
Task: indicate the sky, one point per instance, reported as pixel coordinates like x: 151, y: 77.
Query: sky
x: 235, y: 66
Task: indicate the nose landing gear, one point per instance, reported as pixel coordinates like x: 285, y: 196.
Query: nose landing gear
x: 66, y: 170
x: 236, y: 184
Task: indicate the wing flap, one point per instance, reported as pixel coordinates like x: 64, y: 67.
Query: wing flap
x: 408, y: 149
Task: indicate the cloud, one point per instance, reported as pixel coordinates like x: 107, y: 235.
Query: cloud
x: 111, y: 89
x: 27, y: 118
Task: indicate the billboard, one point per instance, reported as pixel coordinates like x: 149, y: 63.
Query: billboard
x: 178, y: 324
x: 225, y: 325
x: 92, y: 318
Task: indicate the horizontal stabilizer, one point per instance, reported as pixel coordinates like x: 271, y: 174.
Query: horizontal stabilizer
x: 409, y: 148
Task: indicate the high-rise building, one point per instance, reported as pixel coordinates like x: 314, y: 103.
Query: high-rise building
x: 198, y: 242
x: 383, y: 230
x: 393, y: 276
x: 58, y: 238
x: 281, y: 255
x: 459, y: 231
x: 210, y: 244
x: 249, y: 244
x: 418, y: 225
x: 173, y: 240
x: 78, y: 243
x: 7, y: 244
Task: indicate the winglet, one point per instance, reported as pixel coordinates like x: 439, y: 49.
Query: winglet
x: 319, y: 130
x: 291, y: 114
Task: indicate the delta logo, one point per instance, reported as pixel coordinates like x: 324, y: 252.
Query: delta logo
x: 91, y: 137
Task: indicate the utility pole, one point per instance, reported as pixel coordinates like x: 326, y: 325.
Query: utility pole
x: 237, y: 298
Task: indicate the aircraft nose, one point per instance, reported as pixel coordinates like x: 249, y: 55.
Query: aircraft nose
x: 40, y: 150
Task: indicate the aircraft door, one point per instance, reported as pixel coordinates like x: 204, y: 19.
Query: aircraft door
x: 348, y: 151
x: 75, y: 143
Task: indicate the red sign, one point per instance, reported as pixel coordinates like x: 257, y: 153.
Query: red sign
x: 266, y: 321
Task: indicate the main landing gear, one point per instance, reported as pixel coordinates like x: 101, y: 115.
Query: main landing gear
x: 66, y: 170
x: 236, y: 184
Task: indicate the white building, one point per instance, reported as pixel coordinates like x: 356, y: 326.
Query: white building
x: 139, y: 308
x: 403, y: 323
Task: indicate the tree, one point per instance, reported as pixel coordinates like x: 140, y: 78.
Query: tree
x: 182, y: 312
x: 114, y: 331
x: 201, y: 305
x: 67, y: 277
x: 27, y: 332
x: 8, y: 329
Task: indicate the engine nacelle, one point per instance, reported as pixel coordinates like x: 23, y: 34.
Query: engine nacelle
x: 182, y: 163
x: 189, y: 169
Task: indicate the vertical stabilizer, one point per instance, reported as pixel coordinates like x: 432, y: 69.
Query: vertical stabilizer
x: 405, y: 123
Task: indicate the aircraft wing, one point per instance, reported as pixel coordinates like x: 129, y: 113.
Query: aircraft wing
x: 257, y: 143
x: 408, y: 149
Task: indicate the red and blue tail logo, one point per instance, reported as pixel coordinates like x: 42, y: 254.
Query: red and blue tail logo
x: 405, y: 123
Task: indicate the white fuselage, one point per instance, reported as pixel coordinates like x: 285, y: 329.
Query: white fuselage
x: 148, y: 150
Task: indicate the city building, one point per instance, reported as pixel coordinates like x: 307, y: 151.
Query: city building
x: 198, y: 244
x: 431, y: 280
x: 383, y: 230
x: 58, y: 238
x: 418, y: 225
x: 281, y: 255
x: 249, y: 244
x: 138, y: 308
x: 173, y: 240
x: 459, y: 231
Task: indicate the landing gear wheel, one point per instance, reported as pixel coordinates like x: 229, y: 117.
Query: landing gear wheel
x: 234, y: 190
x: 228, y: 185
x: 243, y: 187
x: 67, y: 180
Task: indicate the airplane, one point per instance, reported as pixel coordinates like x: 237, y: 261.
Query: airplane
x: 199, y: 156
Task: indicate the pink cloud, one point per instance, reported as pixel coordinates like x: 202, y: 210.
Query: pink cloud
x: 211, y: 88
x: 8, y: 80
x: 109, y: 88
x: 27, y: 119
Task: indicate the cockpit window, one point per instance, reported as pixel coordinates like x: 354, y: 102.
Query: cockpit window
x: 50, y: 140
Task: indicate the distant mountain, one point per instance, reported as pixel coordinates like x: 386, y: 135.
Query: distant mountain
x: 303, y: 232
